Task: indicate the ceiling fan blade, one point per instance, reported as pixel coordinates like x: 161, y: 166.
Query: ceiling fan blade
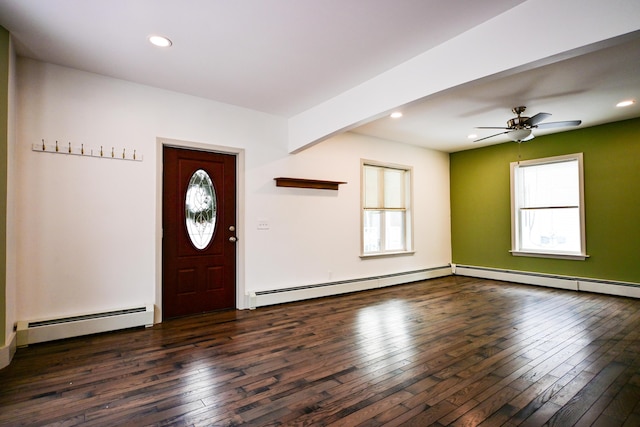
x: 534, y: 120
x: 491, y: 136
x: 551, y: 125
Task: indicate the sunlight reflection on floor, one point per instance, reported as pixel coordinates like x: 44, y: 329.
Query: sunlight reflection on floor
x: 383, y: 327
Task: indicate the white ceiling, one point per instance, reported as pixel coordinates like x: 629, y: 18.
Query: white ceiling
x: 283, y: 57
x: 586, y: 87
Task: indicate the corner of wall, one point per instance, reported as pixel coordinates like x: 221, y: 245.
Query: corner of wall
x: 8, y: 351
x: 5, y: 61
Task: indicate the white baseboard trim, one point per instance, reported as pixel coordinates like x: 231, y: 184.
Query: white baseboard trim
x: 280, y: 296
x: 611, y: 288
x: 625, y: 289
x: 35, y: 331
x: 7, y: 351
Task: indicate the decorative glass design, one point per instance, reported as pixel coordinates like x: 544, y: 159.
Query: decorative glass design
x: 200, y: 209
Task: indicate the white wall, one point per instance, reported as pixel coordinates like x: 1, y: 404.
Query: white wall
x: 314, y: 235
x: 87, y: 227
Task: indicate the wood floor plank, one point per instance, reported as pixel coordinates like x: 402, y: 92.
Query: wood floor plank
x: 577, y: 407
x: 448, y: 351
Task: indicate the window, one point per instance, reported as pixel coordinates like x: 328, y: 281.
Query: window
x: 200, y: 209
x: 386, y: 215
x: 547, y: 207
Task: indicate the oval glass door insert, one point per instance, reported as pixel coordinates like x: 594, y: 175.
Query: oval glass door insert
x: 200, y: 209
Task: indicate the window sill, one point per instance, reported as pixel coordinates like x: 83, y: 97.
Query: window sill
x: 577, y: 257
x: 386, y: 254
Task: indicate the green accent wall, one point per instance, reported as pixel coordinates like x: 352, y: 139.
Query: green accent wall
x: 481, y: 212
x: 4, y: 132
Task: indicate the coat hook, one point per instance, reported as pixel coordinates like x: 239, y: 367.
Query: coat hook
x: 134, y: 154
x: 112, y: 152
x: 57, y: 146
x: 82, y: 149
x: 101, y: 152
x: 44, y: 148
x: 123, y: 155
x: 69, y: 147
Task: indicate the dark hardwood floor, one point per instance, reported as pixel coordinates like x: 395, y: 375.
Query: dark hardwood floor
x: 451, y: 351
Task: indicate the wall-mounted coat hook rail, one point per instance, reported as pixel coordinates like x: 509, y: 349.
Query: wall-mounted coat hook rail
x: 105, y: 152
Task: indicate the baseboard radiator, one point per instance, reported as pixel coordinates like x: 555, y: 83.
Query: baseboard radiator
x: 609, y: 287
x: 31, y: 332
x: 298, y: 293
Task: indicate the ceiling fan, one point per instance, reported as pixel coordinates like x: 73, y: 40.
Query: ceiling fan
x: 519, y: 129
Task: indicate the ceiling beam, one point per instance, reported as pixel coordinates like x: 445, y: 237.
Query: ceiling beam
x: 524, y: 37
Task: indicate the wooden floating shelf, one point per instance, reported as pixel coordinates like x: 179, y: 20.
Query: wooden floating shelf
x: 307, y: 183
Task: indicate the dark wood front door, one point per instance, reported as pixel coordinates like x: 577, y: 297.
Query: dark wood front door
x: 198, y: 221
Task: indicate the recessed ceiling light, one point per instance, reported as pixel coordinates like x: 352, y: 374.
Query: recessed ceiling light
x: 160, y: 41
x: 625, y: 103
x: 396, y: 115
x: 472, y: 136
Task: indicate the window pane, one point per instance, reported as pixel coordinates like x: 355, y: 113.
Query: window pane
x: 552, y: 184
x: 394, y: 231
x: 372, y: 231
x: 393, y: 188
x: 384, y: 203
x: 547, y: 202
x: 200, y: 209
x: 550, y: 229
x: 371, y: 187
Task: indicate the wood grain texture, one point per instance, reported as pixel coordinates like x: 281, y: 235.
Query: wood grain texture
x: 450, y: 351
x: 308, y: 183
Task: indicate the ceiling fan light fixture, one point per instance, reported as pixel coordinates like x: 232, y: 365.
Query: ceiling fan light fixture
x: 518, y: 135
x: 529, y: 138
x: 519, y: 129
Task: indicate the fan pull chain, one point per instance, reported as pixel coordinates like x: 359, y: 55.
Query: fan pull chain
x: 519, y: 143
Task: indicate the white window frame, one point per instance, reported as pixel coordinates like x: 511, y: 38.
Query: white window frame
x: 407, y: 209
x: 516, y: 248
